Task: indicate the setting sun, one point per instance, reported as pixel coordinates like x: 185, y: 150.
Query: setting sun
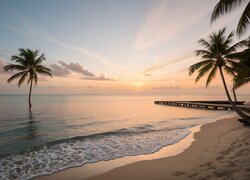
x: 138, y: 84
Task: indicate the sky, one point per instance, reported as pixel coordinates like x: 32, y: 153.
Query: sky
x: 112, y: 46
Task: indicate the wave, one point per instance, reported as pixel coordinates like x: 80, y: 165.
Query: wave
x: 77, y: 151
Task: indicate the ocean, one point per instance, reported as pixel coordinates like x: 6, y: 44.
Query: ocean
x: 63, y: 131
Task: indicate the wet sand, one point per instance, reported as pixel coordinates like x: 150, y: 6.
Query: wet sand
x: 221, y: 150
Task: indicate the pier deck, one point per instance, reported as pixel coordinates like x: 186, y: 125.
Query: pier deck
x: 210, y: 105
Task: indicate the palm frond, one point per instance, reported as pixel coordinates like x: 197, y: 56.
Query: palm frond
x: 232, y: 63
x: 23, y: 52
x: 41, y: 67
x: 202, y: 52
x: 15, y: 76
x: 198, y: 65
x: 229, y: 70
x: 205, y: 44
x: 234, y: 47
x: 39, y: 60
x: 244, y: 20
x: 203, y: 71
x: 29, y: 80
x: 22, y: 79
x: 236, y: 55
x: 221, y: 34
x: 45, y: 72
x: 224, y: 6
x: 241, y: 80
x: 14, y: 67
x: 35, y: 78
x: 211, y: 75
x: 229, y: 39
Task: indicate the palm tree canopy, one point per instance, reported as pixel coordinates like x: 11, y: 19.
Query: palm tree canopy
x: 27, y: 64
x: 226, y: 6
x: 242, y: 68
x: 216, y: 53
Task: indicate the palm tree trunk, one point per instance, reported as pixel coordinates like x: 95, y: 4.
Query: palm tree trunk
x: 30, y: 92
x: 240, y: 113
x: 235, y: 98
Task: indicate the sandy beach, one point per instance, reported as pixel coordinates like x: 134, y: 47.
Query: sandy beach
x: 220, y: 150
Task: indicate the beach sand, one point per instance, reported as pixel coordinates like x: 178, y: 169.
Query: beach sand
x: 221, y: 150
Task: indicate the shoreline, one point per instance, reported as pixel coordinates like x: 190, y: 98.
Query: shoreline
x: 221, y: 150
x: 98, y: 168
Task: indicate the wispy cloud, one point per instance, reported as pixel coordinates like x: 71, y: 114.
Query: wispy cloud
x: 167, y: 62
x: 168, y: 18
x: 90, y: 53
x: 24, y: 18
x: 32, y: 30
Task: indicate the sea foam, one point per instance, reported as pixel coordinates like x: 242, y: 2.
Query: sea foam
x: 81, y: 150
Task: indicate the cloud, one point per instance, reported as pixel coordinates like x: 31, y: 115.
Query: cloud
x: 169, y: 18
x: 87, y: 52
x: 75, y: 67
x: 63, y: 69
x: 100, y: 78
x: 146, y: 74
x: 30, y: 29
x: 162, y: 65
x: 24, y: 18
x: 59, y: 71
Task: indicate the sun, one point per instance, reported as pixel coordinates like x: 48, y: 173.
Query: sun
x: 138, y: 84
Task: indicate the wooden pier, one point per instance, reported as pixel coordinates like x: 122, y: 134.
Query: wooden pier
x: 209, y: 105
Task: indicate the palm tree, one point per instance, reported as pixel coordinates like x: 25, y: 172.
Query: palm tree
x: 243, y: 76
x: 28, y: 63
x: 226, y: 6
x: 241, y: 69
x: 215, y: 57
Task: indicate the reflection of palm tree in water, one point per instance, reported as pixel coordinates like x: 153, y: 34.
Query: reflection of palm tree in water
x: 31, y: 127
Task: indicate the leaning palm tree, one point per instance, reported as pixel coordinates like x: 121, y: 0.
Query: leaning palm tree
x: 226, y: 6
x: 215, y: 57
x: 243, y: 76
x: 242, y: 68
x: 27, y: 64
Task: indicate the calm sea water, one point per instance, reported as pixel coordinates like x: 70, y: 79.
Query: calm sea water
x: 63, y: 131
